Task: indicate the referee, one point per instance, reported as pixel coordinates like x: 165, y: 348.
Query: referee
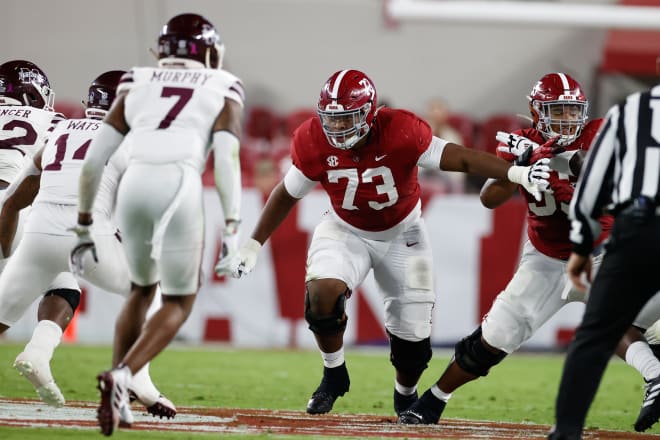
x: 622, y: 170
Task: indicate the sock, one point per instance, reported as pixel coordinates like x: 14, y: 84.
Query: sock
x: 403, y: 390
x: 333, y: 360
x: 439, y: 394
x: 143, y: 386
x: 45, y: 338
x: 640, y: 357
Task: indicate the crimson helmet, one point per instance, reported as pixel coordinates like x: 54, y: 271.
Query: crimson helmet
x: 24, y: 83
x: 347, y: 107
x: 189, y: 40
x: 102, y: 93
x: 559, y: 107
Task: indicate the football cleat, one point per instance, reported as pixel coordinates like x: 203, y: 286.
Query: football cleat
x: 425, y: 411
x: 114, y: 407
x: 650, y: 411
x: 403, y: 402
x: 335, y: 383
x: 37, y: 371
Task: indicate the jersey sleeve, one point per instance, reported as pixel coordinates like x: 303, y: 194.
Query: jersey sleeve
x: 126, y: 81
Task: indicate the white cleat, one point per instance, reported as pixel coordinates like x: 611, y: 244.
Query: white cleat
x: 38, y: 373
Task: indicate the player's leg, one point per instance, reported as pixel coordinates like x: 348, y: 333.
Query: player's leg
x: 33, y: 269
x: 337, y: 262
x: 405, y: 276
x: 532, y: 296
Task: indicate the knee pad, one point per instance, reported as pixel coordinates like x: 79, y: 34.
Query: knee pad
x: 71, y: 296
x: 472, y: 356
x: 410, y: 357
x: 331, y: 324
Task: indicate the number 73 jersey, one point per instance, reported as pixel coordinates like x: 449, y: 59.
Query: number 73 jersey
x: 372, y: 188
x: 171, y: 112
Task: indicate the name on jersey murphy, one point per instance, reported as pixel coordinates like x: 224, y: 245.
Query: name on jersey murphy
x: 182, y: 77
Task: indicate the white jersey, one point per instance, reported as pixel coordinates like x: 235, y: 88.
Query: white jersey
x: 61, y: 162
x: 23, y: 131
x: 171, y: 112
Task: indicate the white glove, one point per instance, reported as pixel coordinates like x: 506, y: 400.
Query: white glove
x: 229, y: 249
x: 245, y: 259
x: 533, y: 178
x: 519, y: 146
x: 84, y: 244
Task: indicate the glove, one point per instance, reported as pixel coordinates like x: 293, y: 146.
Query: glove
x: 228, y: 252
x: 245, y: 259
x: 533, y: 178
x: 562, y: 190
x: 84, y: 244
x: 517, y: 145
x: 547, y: 150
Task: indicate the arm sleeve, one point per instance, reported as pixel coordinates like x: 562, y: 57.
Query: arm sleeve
x: 431, y: 157
x: 227, y: 173
x: 296, y: 183
x: 104, y: 144
x: 589, y: 197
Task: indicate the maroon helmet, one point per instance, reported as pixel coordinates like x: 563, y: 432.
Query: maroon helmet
x: 24, y: 83
x: 190, y: 37
x: 102, y: 93
x: 347, y: 107
x: 558, y: 107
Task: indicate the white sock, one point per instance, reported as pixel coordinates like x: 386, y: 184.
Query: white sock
x: 45, y: 338
x: 437, y: 392
x: 406, y: 391
x: 144, y: 387
x: 332, y: 360
x: 640, y: 357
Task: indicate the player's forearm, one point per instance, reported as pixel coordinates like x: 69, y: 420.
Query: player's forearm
x: 227, y: 173
x: 458, y: 158
x: 277, y: 207
x: 495, y: 192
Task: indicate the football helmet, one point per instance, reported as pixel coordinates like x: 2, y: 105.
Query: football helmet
x: 24, y: 83
x: 558, y: 107
x: 347, y: 108
x: 190, y: 40
x: 102, y: 93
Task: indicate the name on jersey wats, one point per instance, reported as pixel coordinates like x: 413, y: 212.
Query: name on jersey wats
x: 179, y: 76
x: 81, y: 124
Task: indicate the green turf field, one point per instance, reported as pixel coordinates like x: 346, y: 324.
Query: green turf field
x: 521, y: 389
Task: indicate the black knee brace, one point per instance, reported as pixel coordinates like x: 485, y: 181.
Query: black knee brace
x: 472, y: 356
x: 331, y: 324
x: 410, y: 357
x: 71, y: 296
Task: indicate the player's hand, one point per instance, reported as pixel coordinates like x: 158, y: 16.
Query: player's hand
x: 85, y: 244
x: 533, y: 178
x: 229, y: 249
x: 245, y: 259
x: 579, y: 271
x: 546, y: 151
x: 517, y: 145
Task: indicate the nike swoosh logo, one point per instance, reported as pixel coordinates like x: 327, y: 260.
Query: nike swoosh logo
x: 379, y: 158
x: 411, y: 243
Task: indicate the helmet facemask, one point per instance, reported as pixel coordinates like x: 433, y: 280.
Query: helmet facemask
x: 344, y: 128
x: 562, y: 118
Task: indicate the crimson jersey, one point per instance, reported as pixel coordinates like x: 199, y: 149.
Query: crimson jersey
x: 372, y: 188
x: 548, y: 226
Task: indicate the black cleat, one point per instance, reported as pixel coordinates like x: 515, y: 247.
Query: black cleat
x: 425, y: 411
x: 335, y: 383
x: 403, y: 402
x: 650, y: 412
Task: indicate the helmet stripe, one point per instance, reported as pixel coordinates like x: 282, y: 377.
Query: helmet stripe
x: 564, y: 82
x: 335, y: 86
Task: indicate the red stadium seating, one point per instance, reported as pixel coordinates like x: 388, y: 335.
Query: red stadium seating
x: 262, y: 123
x: 466, y: 127
x: 490, y: 126
x: 293, y: 120
x: 70, y: 109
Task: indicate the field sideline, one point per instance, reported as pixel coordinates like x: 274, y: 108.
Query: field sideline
x: 262, y: 394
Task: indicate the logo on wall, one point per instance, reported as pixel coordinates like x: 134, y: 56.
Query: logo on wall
x: 333, y: 161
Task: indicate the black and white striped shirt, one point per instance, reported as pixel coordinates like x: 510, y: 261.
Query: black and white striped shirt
x: 622, y: 164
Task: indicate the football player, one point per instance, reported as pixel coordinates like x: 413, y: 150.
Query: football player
x: 540, y: 286
x: 165, y: 118
x: 366, y: 158
x: 50, y: 183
